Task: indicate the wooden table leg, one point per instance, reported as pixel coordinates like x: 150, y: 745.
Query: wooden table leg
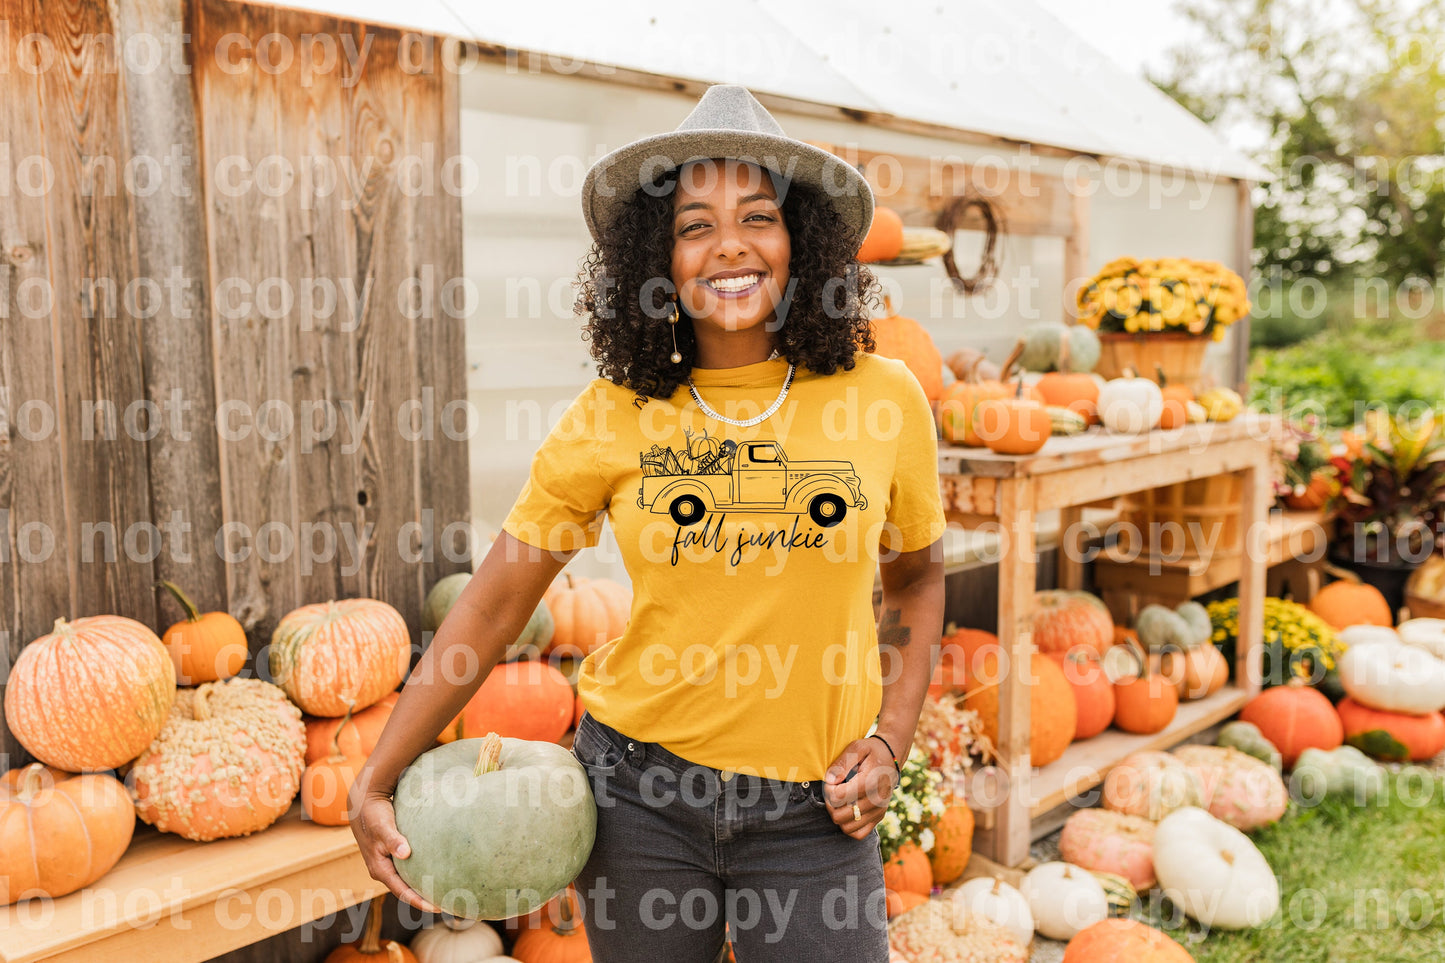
x: 1249, y: 654
x: 1017, y: 571
x: 1071, y: 562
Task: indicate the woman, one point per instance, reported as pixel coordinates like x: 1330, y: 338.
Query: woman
x: 757, y: 467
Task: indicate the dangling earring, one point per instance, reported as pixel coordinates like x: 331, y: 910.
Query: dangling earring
x: 676, y: 355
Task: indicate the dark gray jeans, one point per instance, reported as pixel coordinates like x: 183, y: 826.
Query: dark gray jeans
x: 680, y: 851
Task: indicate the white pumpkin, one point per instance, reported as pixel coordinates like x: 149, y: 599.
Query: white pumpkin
x: 1130, y: 405
x: 1064, y: 899
x: 1427, y: 634
x: 997, y: 902
x: 1368, y: 635
x: 1394, y: 678
x: 459, y: 941
x: 1213, y: 872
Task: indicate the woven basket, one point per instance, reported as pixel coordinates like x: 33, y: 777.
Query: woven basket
x: 1197, y: 519
x: 1181, y: 356
x: 1423, y: 608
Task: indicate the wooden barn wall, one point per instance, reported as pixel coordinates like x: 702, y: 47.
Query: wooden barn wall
x: 258, y: 506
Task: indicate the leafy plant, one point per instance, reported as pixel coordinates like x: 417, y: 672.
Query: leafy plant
x: 1392, y: 485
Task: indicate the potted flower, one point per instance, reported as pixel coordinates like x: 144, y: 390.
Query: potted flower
x: 1390, y: 509
x: 1160, y: 313
x: 1304, y: 476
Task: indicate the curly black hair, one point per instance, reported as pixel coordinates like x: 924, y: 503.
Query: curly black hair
x: 625, y: 289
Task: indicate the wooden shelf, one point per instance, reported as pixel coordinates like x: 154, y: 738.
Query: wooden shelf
x: 1085, y: 764
x: 180, y: 901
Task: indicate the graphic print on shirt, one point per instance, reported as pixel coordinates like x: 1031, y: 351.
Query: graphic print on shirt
x: 710, y: 475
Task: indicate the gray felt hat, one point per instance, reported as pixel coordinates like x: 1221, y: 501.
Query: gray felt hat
x: 727, y: 122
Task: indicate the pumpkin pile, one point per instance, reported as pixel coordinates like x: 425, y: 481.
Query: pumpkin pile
x: 1394, y: 680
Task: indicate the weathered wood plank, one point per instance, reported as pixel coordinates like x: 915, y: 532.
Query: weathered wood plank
x: 246, y: 241
x: 170, y: 247
x: 35, y: 583
x: 435, y: 231
x: 97, y: 339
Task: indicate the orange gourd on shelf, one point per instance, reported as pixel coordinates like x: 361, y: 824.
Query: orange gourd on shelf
x: 908, y: 870
x: 884, y: 240
x: 952, y: 843
x: 587, y: 613
x: 326, y: 783
x: 1053, y: 713
x: 1345, y: 603
x: 520, y: 700
x: 1064, y: 620
x: 206, y: 647
x: 1077, y: 391
x: 1176, y: 401
x: 331, y: 655
x: 908, y: 341
x: 355, y: 736
x: 1093, y: 693
x: 1146, y: 702
x: 1013, y: 425
x: 371, y: 948
x: 59, y: 832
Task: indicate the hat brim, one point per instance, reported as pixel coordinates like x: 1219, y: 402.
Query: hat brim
x: 613, y: 180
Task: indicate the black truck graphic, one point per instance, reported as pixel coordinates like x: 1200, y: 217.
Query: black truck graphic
x: 753, y: 476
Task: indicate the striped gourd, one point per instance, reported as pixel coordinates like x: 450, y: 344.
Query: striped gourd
x: 332, y: 655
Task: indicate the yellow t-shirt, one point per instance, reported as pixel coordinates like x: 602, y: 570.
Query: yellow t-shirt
x: 752, y: 644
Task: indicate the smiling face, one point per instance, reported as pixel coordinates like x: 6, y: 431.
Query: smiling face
x: 730, y: 253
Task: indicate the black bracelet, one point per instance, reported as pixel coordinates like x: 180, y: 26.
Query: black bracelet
x: 891, y: 754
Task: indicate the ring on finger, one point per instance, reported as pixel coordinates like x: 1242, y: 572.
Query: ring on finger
x: 857, y: 813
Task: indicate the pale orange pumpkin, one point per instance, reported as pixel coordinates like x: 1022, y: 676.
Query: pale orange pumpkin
x: 59, y: 832
x: 203, y: 648
x: 1345, y: 603
x: 900, y: 903
x: 227, y: 763
x: 1176, y: 401
x: 371, y: 948
x: 588, y: 612
x: 1113, y: 941
x: 1295, y: 717
x: 355, y: 737
x: 1197, y: 672
x: 1093, y: 692
x: 336, y: 654
x: 1064, y: 620
x: 520, y: 700
x: 884, y: 239
x: 92, y: 694
x: 908, y: 341
x: 1014, y: 425
x: 1147, y: 702
x: 908, y: 870
x: 1053, y: 712
x: 564, y: 941
x: 957, y: 405
x: 952, y: 843
x: 326, y: 782
x: 1077, y: 391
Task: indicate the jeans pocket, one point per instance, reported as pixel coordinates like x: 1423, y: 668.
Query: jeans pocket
x: 594, y: 750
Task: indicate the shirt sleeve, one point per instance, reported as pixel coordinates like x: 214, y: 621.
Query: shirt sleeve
x: 915, y: 517
x: 565, y: 498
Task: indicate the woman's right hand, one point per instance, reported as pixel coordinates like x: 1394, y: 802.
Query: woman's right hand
x: 373, y: 823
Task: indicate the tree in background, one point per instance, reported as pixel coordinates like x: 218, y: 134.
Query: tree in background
x: 1345, y: 100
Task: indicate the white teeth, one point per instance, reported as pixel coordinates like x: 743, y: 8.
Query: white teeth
x: 735, y: 284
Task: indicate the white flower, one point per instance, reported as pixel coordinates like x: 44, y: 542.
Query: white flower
x: 925, y: 839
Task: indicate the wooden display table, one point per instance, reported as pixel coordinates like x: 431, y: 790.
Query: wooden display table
x: 981, y: 488
x: 180, y: 901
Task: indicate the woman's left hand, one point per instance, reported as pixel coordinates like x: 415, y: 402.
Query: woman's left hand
x: 858, y: 803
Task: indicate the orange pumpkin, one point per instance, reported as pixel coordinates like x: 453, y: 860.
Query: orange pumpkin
x: 1197, y: 672
x: 908, y: 341
x: 59, y: 832
x: 1145, y: 703
x: 884, y: 239
x: 1093, y: 693
x: 1295, y: 717
x: 952, y: 844
x: 1074, y: 390
x: 1394, y: 736
x: 371, y: 948
x: 1108, y: 941
x: 204, y: 648
x: 92, y: 694
x: 900, y: 903
x: 1176, y: 398
x: 1013, y: 426
x: 908, y: 870
x: 520, y: 700
x: 564, y: 941
x: 1065, y: 620
x: 333, y: 655
x: 227, y: 763
x: 326, y: 783
x: 967, y: 645
x: 588, y: 612
x: 354, y: 736
x: 1053, y: 712
x: 1345, y: 603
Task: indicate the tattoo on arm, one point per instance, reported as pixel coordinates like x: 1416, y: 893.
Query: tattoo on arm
x: 891, y: 630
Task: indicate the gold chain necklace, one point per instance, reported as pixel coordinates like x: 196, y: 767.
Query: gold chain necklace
x: 746, y: 422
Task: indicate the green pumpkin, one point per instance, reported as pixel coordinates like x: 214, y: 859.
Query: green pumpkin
x: 1196, y: 617
x: 1246, y: 737
x: 1345, y: 771
x: 443, y: 595
x: 1162, y: 628
x: 1042, y: 342
x: 497, y: 827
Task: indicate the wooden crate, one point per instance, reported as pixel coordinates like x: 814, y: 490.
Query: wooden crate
x: 1194, y: 519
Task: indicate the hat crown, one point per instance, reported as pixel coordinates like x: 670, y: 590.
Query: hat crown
x: 731, y: 107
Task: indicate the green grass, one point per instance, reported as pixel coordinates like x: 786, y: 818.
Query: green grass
x: 1362, y: 884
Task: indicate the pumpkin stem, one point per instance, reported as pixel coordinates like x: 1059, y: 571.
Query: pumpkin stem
x: 1012, y: 359
x: 393, y: 952
x: 489, y: 759
x: 192, y: 615
x: 371, y: 935
x: 336, y: 736
x: 567, y: 924
x: 201, y: 705
x: 31, y: 782
x: 62, y: 627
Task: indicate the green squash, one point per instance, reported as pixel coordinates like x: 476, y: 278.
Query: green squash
x: 497, y: 827
x: 1246, y: 737
x: 1162, y: 628
x: 1043, y: 340
x: 1345, y: 771
x: 1196, y: 617
x: 1120, y: 894
x: 536, y: 634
